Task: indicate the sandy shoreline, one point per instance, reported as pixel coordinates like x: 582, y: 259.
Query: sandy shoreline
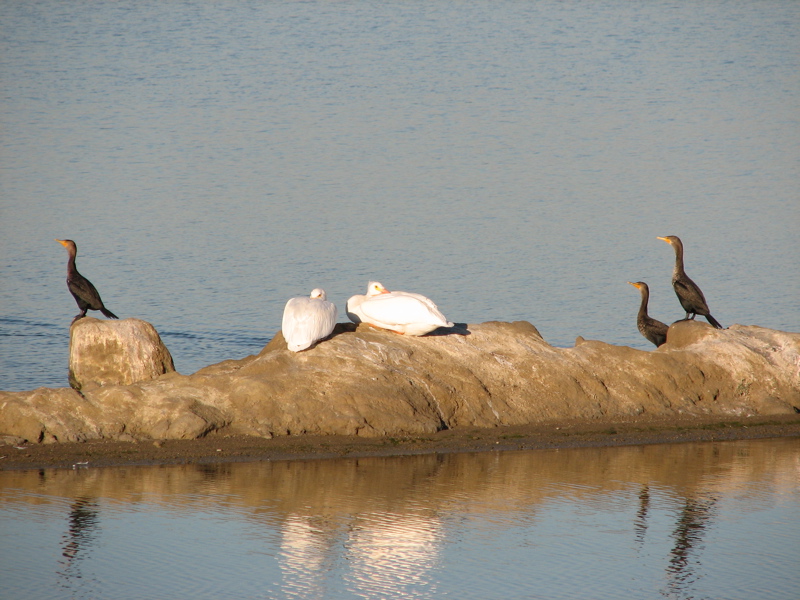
x: 567, y: 434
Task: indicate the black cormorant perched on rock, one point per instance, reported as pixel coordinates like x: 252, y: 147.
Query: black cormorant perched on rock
x: 83, y: 291
x: 690, y: 296
x: 652, y: 329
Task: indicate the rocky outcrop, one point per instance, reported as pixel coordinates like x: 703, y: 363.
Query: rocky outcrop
x: 369, y: 382
x: 115, y: 353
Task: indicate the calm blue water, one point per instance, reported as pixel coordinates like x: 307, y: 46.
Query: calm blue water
x: 714, y: 520
x: 511, y: 160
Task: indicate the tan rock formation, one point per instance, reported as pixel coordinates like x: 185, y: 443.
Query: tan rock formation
x: 368, y: 382
x: 115, y: 353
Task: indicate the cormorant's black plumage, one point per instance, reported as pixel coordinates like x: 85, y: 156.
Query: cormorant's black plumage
x: 82, y: 290
x: 652, y: 329
x: 689, y: 295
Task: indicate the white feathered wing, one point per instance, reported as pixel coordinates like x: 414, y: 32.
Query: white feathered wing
x: 308, y: 320
x: 403, y: 312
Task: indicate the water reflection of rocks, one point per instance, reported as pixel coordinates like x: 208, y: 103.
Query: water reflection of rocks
x: 379, y: 526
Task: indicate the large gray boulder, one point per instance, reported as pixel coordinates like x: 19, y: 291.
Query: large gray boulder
x: 369, y: 382
x: 115, y: 353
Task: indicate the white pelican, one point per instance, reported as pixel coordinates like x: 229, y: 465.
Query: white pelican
x: 308, y: 320
x: 402, y: 312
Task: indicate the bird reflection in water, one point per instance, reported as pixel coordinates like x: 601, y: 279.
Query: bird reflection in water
x: 395, y: 555
x: 640, y: 523
x: 388, y: 555
x: 306, y: 551
x: 692, y: 524
x: 83, y: 528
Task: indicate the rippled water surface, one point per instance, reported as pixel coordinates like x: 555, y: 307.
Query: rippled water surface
x: 511, y: 160
x: 712, y: 520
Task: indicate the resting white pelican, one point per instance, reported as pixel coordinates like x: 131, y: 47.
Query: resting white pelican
x: 308, y: 320
x: 403, y: 312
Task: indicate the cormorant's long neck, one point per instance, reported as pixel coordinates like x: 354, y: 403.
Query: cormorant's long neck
x: 678, y: 260
x: 71, y: 268
x: 643, y: 305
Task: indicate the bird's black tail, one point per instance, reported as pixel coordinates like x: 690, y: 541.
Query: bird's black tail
x: 108, y: 313
x: 714, y: 322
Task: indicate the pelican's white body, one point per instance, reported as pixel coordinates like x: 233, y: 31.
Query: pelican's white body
x: 403, y: 312
x: 308, y: 320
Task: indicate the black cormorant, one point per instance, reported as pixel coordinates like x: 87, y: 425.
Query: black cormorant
x: 690, y: 296
x: 652, y: 329
x: 83, y: 291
